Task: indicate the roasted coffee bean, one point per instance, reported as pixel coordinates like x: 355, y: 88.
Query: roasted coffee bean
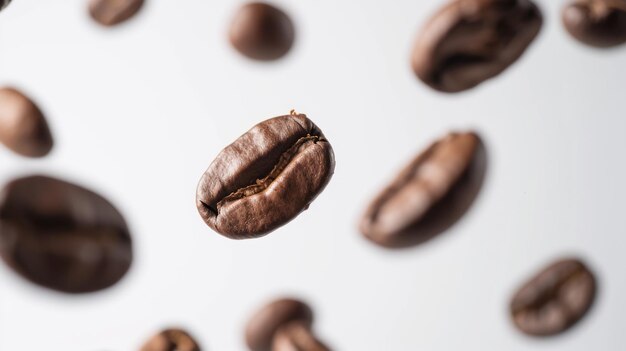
x: 23, y: 128
x: 113, y: 12
x: 262, y: 32
x: 265, y: 323
x: 4, y: 3
x: 555, y: 299
x: 62, y: 236
x: 296, y: 336
x: 599, y: 23
x: 429, y: 195
x: 171, y: 340
x: 470, y: 41
x: 266, y: 177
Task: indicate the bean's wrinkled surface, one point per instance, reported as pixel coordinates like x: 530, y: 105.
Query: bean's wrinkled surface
x: 112, y: 12
x: 555, y: 299
x: 171, y: 340
x: 470, y: 41
x: 264, y: 324
x: 598, y: 23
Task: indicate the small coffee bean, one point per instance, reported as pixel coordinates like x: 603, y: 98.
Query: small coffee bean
x: 296, y: 336
x: 555, y: 299
x: 266, y: 177
x: 598, y: 23
x: 112, y: 12
x: 262, y: 32
x: 23, y: 128
x: 262, y: 327
x: 4, y: 3
x: 429, y: 195
x: 62, y: 236
x: 470, y: 41
x: 171, y: 340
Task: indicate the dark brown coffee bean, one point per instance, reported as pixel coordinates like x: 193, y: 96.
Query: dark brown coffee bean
x: 429, y: 195
x: 555, y: 299
x: 265, y: 323
x: 23, y: 128
x: 113, y: 12
x: 171, y: 340
x: 262, y: 32
x: 4, y: 3
x: 62, y: 236
x: 266, y: 177
x: 296, y: 336
x: 599, y: 23
x: 470, y: 41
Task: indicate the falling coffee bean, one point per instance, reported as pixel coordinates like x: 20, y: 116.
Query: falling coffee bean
x: 555, y: 299
x: 171, y: 340
x: 470, y: 41
x: 23, y: 128
x: 266, y: 177
x: 599, y: 23
x: 262, y: 327
x: 4, y: 3
x: 429, y: 195
x: 262, y: 32
x: 62, y: 236
x: 296, y: 336
x: 113, y: 12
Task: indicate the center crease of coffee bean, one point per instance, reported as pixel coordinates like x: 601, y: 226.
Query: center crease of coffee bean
x: 552, y: 291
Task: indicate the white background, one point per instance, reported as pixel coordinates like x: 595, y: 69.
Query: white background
x: 139, y: 111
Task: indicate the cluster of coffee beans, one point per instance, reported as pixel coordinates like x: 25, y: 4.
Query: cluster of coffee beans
x: 65, y: 237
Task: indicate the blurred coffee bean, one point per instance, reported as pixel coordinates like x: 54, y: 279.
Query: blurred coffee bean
x: 4, y: 3
x: 262, y: 32
x: 555, y: 299
x: 599, y: 23
x: 23, y: 128
x: 296, y: 336
x: 470, y: 41
x: 62, y: 236
x: 266, y: 177
x: 113, y: 12
x: 262, y: 327
x: 429, y: 195
x: 171, y: 340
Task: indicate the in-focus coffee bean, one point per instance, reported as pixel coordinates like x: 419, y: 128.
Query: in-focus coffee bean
x: 470, y: 41
x: 23, y: 128
x: 171, y: 340
x: 112, y: 12
x: 62, y: 236
x: 296, y: 336
x: 599, y: 23
x: 555, y: 299
x: 429, y: 195
x: 262, y: 327
x: 266, y: 177
x: 262, y: 32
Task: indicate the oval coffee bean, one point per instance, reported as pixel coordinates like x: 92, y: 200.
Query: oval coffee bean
x: 266, y: 177
x: 262, y: 32
x: 296, y: 336
x: 262, y: 327
x: 470, y: 41
x: 599, y: 23
x: 23, y: 128
x: 555, y: 299
x: 62, y: 236
x: 429, y: 195
x: 171, y: 340
x: 113, y: 12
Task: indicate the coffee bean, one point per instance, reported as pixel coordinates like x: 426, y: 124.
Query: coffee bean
x: 296, y: 336
x: 262, y: 32
x: 555, y: 299
x: 171, y: 340
x: 599, y: 23
x: 23, y: 128
x: 4, y: 3
x: 266, y: 322
x: 429, y: 195
x: 266, y: 177
x: 112, y: 12
x: 470, y: 41
x: 62, y: 236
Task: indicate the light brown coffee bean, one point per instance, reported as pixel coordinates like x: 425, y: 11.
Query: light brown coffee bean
x: 297, y: 336
x: 264, y: 324
x: 112, y: 12
x: 171, y: 340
